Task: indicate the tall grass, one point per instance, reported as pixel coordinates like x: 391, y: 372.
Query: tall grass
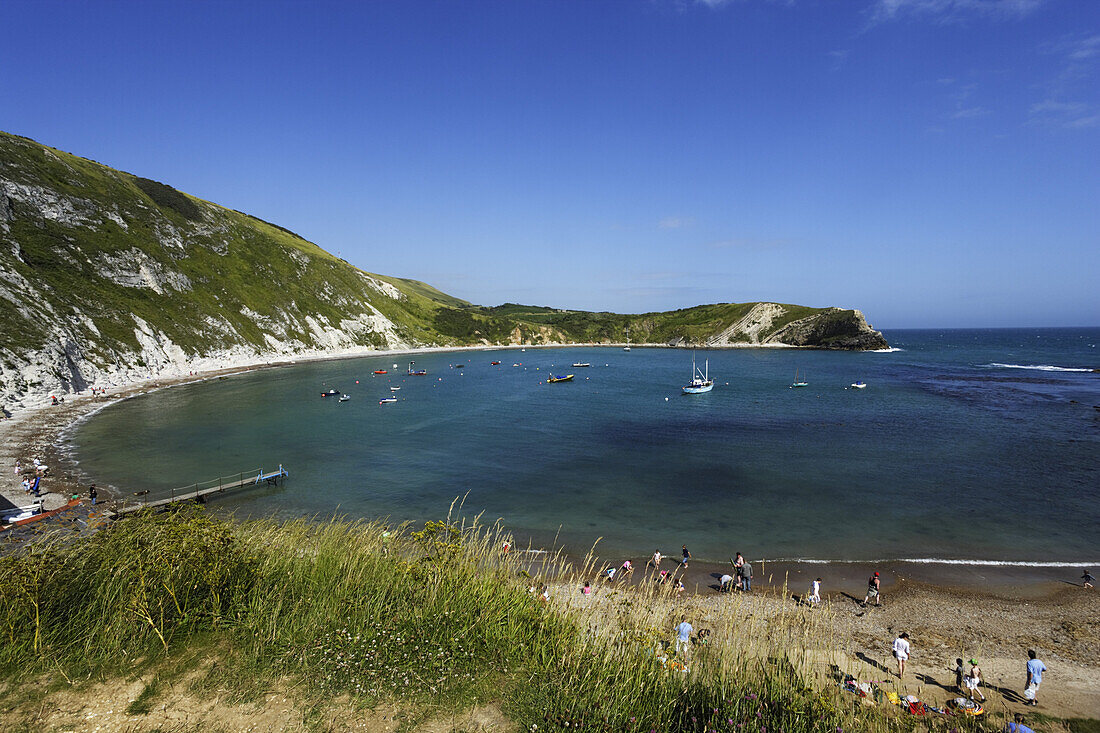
x: 436, y: 618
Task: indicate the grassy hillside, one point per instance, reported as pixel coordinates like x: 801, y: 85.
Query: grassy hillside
x: 350, y: 618
x: 108, y: 275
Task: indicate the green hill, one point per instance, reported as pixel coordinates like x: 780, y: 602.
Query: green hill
x: 109, y: 277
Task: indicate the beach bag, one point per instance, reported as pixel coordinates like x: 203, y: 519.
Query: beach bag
x: 1029, y: 692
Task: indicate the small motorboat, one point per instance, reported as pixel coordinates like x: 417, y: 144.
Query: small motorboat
x: 553, y: 380
x: 418, y: 372
x: 331, y: 393
x: 459, y: 366
x: 387, y: 400
x: 494, y: 363
x: 858, y: 385
x: 380, y: 371
x: 345, y: 397
x: 517, y: 364
x: 581, y: 364
x: 394, y: 389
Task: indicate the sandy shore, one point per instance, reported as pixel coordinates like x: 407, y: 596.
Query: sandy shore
x: 993, y: 612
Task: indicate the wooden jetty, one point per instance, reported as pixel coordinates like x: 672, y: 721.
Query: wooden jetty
x: 200, y: 491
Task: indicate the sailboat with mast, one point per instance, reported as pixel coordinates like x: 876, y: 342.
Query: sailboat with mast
x: 627, y: 347
x: 700, y: 380
x: 797, y: 382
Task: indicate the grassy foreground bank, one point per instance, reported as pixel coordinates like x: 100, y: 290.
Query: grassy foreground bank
x: 427, y: 621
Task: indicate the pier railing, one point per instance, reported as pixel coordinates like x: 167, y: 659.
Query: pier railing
x: 200, y: 490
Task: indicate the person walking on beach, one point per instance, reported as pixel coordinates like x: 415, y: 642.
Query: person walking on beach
x: 657, y: 559
x: 738, y: 562
x: 960, y: 673
x: 815, y: 593
x: 973, y: 680
x: 1035, y: 669
x: 1087, y: 577
x: 746, y: 577
x: 901, y: 652
x: 873, y: 586
x: 92, y: 493
x: 26, y: 485
x: 687, y: 556
x: 683, y: 636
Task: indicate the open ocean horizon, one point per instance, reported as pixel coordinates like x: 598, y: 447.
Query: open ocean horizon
x: 968, y: 446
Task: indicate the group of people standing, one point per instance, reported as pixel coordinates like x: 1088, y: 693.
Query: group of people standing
x: 968, y: 682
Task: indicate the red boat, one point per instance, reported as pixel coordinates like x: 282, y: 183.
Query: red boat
x: 379, y: 371
x: 494, y: 363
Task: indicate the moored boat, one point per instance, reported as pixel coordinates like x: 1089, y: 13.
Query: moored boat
x: 797, y: 382
x: 858, y: 385
x: 331, y: 393
x: 553, y: 380
x: 387, y: 400
x: 418, y: 372
x: 345, y: 397
x: 581, y: 364
x: 494, y: 363
x: 700, y: 380
x: 379, y: 371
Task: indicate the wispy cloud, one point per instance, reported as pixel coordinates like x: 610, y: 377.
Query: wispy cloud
x: 950, y: 11
x: 675, y: 222
x: 839, y: 57
x: 749, y: 243
x: 1062, y: 104
x: 962, y: 99
x: 969, y: 113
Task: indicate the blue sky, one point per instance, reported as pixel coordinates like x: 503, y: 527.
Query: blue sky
x: 932, y: 162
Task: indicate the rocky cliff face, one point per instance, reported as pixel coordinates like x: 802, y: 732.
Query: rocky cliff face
x: 106, y: 278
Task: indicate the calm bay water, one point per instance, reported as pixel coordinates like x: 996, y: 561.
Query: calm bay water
x: 966, y: 444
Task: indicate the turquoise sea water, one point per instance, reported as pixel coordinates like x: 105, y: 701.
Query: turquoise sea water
x: 966, y: 444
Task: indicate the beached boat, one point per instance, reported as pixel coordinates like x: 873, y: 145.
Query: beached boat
x: 345, y: 397
x: 700, y: 380
x: 418, y: 372
x: 581, y: 364
x: 379, y: 371
x: 552, y: 379
x: 797, y: 382
x: 858, y: 385
x: 331, y: 393
x: 387, y: 400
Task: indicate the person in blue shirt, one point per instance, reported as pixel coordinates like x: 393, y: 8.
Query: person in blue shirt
x: 1017, y: 725
x: 683, y: 636
x: 1035, y: 669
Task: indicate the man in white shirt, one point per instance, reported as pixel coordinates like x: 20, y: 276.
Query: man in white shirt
x: 901, y: 652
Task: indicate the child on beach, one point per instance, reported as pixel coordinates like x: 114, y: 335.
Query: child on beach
x: 738, y: 563
x: 657, y: 559
x: 901, y: 652
x: 959, y: 674
x: 587, y: 589
x: 973, y: 680
x: 873, y: 585
x: 815, y: 593
x: 1087, y: 577
x: 609, y: 574
x: 687, y: 556
x: 626, y: 569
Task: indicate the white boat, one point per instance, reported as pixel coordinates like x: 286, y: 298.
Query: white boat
x: 797, y: 382
x: 345, y: 397
x: 858, y: 385
x: 700, y: 380
x: 627, y: 347
x: 394, y: 389
x: 582, y: 364
x: 387, y: 400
